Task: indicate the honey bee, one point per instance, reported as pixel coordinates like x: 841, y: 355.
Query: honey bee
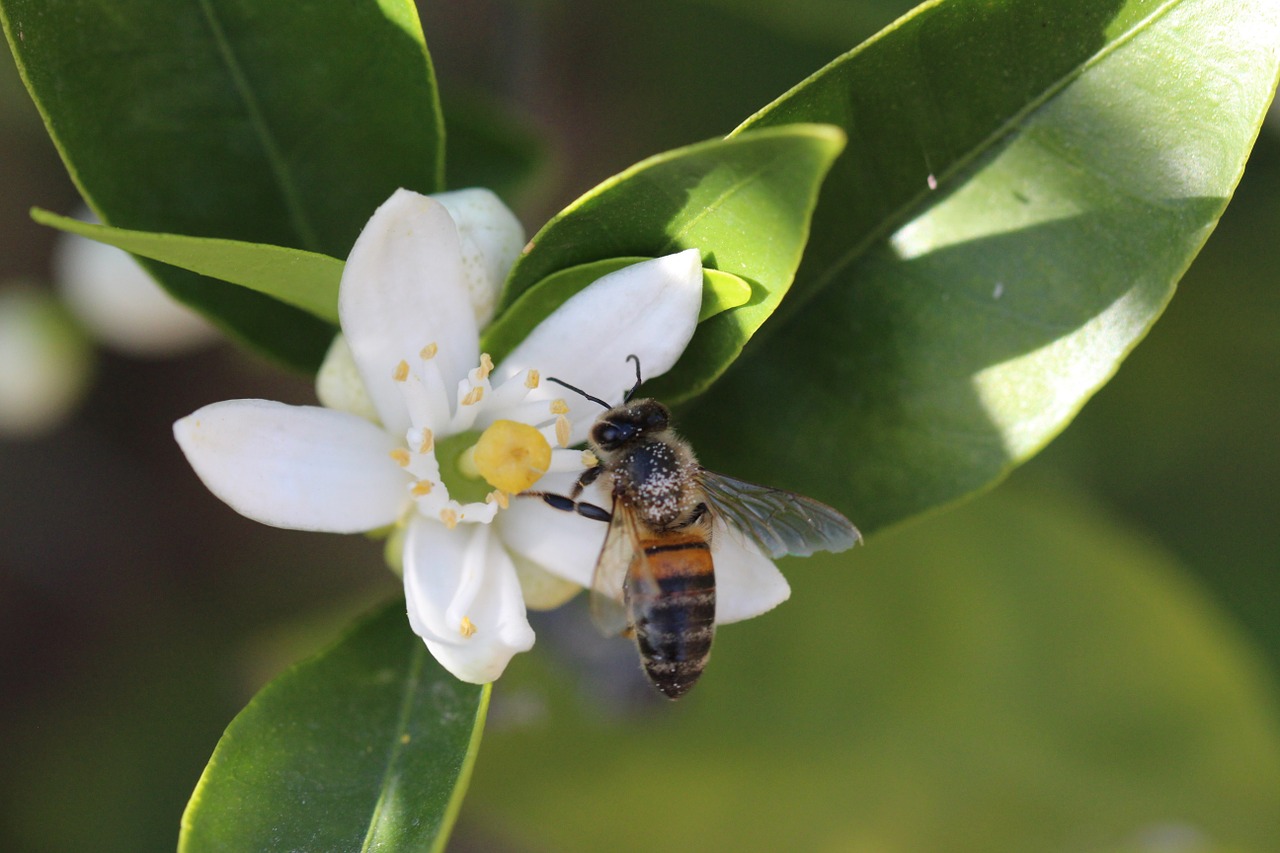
x: 666, y: 514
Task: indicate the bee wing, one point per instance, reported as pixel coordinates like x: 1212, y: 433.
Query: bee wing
x: 780, y: 522
x: 621, y: 556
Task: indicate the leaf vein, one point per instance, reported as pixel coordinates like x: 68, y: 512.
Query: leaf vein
x: 729, y: 191
x: 821, y: 279
x: 276, y: 160
x: 412, y: 678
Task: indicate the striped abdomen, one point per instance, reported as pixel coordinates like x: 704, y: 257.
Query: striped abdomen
x: 674, y: 616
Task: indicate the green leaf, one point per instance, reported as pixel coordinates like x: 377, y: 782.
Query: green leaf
x: 1017, y: 675
x: 721, y: 291
x: 367, y: 746
x: 304, y: 280
x: 283, y: 123
x: 743, y: 202
x: 1082, y: 153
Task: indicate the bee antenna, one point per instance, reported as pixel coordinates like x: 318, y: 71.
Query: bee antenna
x: 636, y: 387
x: 579, y: 391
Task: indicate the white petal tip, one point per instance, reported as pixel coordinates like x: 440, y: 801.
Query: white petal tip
x: 682, y: 270
x: 689, y: 261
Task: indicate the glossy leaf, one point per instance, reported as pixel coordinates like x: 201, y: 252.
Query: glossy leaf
x: 305, y: 280
x: 284, y: 123
x: 367, y: 746
x: 721, y: 291
x: 1081, y: 153
x: 1017, y: 675
x: 743, y: 202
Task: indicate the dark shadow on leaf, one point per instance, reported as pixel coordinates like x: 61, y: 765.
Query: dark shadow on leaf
x: 867, y: 399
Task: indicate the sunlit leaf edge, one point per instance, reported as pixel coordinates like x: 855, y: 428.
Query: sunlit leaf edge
x: 259, y: 267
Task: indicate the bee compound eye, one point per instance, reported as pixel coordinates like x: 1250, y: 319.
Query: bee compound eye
x: 606, y: 434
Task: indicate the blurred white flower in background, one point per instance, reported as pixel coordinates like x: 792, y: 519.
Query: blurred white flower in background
x: 45, y: 362
x: 120, y: 304
x: 46, y: 339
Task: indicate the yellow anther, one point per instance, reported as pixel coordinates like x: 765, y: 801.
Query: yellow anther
x: 467, y: 628
x: 428, y: 441
x: 531, y: 379
x: 563, y: 430
x: 589, y: 459
x: 449, y: 517
x: 559, y: 406
x: 486, y: 365
x: 402, y: 371
x: 511, y: 456
x: 422, y: 487
x: 401, y: 456
x: 428, y: 352
x: 475, y: 395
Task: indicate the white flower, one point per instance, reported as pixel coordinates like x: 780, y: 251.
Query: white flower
x: 457, y: 437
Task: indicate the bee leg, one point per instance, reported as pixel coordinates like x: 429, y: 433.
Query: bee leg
x: 699, y: 513
x: 567, y: 504
x: 570, y: 502
x: 586, y: 478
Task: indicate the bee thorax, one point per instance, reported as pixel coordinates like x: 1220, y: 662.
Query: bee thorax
x: 657, y: 479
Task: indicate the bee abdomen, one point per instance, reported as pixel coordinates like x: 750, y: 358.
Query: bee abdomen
x: 676, y: 623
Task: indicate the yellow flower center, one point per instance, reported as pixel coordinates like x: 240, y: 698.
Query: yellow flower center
x: 510, y: 456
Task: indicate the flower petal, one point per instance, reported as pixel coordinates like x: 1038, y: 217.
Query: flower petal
x: 563, y: 543
x: 542, y: 590
x: 747, y: 582
x: 402, y: 289
x: 491, y: 239
x: 649, y: 310
x: 464, y: 598
x: 298, y: 467
x: 338, y: 382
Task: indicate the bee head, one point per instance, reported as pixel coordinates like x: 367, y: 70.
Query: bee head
x: 630, y: 421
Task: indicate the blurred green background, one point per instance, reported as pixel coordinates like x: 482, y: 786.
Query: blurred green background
x: 1083, y: 659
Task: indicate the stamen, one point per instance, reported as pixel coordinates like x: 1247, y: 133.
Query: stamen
x: 428, y: 441
x: 531, y: 379
x: 589, y: 459
x: 559, y: 406
x: 500, y: 497
x: 429, y: 351
x: 486, y: 365
x: 467, y: 628
x: 449, y: 517
x: 563, y: 430
x: 402, y: 371
x: 401, y: 456
x: 475, y: 395
x: 421, y: 488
